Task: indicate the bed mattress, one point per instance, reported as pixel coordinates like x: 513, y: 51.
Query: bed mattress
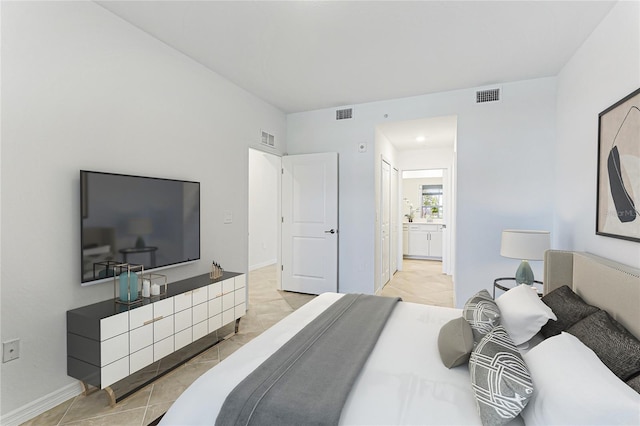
x: 402, y: 382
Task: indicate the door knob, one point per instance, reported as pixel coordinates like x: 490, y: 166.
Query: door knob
x: 330, y: 231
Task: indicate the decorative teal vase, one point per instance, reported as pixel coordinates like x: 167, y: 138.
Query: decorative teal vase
x: 128, y: 286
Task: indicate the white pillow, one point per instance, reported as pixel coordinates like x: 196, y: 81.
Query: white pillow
x: 573, y: 387
x: 523, y: 313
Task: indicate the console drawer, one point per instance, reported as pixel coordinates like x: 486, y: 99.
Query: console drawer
x: 114, y: 349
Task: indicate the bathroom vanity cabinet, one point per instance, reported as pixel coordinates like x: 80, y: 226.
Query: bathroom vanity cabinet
x: 423, y: 240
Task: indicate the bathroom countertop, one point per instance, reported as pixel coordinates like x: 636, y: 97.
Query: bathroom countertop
x: 424, y: 221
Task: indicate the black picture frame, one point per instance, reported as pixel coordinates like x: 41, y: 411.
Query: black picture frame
x: 618, y: 187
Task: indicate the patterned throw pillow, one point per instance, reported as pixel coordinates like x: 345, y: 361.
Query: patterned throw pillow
x: 568, y: 307
x: 500, y: 378
x: 482, y: 313
x: 615, y: 346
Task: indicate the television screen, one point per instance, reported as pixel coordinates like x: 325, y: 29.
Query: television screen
x: 138, y: 220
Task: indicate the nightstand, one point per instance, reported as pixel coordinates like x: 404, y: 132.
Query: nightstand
x: 508, y: 283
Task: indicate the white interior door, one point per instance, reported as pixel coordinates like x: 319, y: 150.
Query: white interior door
x: 385, y: 225
x: 310, y: 223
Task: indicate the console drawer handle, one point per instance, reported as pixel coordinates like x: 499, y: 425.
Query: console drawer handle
x: 153, y: 320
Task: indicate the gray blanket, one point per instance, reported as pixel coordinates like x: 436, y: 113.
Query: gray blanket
x: 308, y: 379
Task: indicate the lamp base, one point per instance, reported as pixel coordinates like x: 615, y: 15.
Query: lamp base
x: 140, y: 243
x: 524, y: 274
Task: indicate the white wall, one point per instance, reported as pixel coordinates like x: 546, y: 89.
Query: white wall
x: 604, y: 70
x: 83, y: 89
x: 264, y: 208
x: 504, y: 174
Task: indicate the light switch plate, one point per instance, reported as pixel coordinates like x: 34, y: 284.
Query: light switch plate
x: 10, y: 350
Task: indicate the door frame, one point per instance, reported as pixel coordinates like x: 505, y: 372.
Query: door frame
x: 390, y: 203
x: 448, y: 182
x: 395, y: 216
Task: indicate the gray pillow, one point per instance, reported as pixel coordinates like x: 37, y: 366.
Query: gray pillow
x: 568, y: 307
x: 482, y: 314
x: 500, y: 378
x: 455, y: 342
x: 615, y: 346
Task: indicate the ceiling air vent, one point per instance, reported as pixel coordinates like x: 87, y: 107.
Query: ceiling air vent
x: 489, y: 95
x: 344, y: 114
x: 268, y: 139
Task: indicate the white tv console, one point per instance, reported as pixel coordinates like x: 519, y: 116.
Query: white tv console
x: 122, y: 348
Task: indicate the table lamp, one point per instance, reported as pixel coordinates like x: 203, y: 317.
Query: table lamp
x: 524, y: 245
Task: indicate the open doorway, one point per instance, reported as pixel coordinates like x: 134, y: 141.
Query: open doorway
x: 418, y: 146
x: 264, y: 289
x: 264, y: 211
x: 293, y: 220
x: 426, y: 210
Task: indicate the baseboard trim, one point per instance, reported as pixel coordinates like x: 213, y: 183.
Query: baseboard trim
x: 262, y: 264
x: 40, y: 405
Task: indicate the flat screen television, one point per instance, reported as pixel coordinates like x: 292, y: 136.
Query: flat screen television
x: 147, y: 221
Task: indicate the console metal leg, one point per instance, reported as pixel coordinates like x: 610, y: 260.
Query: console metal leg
x: 87, y: 389
x: 237, y: 325
x: 111, y: 396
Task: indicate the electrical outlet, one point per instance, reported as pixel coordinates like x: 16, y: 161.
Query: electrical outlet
x: 10, y: 350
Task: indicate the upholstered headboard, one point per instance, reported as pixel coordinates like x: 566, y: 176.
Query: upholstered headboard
x: 604, y: 283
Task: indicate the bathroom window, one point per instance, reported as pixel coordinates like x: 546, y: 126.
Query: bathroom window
x: 432, y: 201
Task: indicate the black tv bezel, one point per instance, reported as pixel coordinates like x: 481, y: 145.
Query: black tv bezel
x: 82, y: 216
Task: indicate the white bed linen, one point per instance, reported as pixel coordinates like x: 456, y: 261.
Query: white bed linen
x: 402, y: 382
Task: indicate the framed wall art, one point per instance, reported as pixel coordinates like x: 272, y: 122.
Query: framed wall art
x: 618, y: 191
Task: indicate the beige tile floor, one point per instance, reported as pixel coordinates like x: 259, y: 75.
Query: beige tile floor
x: 420, y: 282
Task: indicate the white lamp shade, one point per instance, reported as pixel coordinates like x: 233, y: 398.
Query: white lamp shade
x: 524, y: 244
x: 140, y: 226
